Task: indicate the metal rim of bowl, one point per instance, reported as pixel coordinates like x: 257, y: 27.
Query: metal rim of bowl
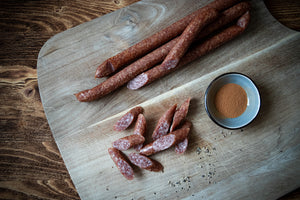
x: 206, y: 107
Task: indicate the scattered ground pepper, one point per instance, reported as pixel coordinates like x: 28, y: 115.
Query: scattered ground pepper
x: 198, y: 150
x: 184, y: 182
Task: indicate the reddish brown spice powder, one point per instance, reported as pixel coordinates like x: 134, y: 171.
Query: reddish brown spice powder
x: 231, y: 100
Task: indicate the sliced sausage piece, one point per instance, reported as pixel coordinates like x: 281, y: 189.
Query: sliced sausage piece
x: 144, y: 162
x: 140, y: 129
x: 188, y: 36
x: 128, y: 141
x: 194, y: 53
x: 148, y: 150
x: 180, y: 114
x: 120, y: 161
x: 164, y: 123
x: 145, y: 46
x: 126, y: 120
x: 170, y: 139
x: 181, y: 147
x: 165, y: 142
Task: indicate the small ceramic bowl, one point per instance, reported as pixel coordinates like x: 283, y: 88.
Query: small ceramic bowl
x: 253, y: 100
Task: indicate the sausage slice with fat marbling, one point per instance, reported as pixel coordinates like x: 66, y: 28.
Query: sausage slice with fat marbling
x: 121, y: 162
x: 127, y: 142
x: 180, y: 114
x: 126, y: 120
x: 181, y: 147
x: 140, y: 129
x: 144, y: 162
x: 164, y: 123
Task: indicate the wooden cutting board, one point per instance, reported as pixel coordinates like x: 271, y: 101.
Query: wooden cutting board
x: 260, y: 161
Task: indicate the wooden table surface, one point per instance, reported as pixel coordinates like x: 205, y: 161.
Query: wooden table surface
x: 31, y: 166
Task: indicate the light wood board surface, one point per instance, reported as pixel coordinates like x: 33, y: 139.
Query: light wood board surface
x: 260, y: 161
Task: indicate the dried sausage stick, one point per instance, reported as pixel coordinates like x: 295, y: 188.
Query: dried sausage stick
x: 126, y: 74
x: 154, y: 58
x: 181, y: 147
x: 145, y: 46
x: 144, y: 162
x: 164, y: 123
x: 128, y: 141
x: 126, y: 120
x: 188, y: 36
x: 227, y: 16
x: 180, y: 114
x: 199, y: 50
x: 120, y: 161
x: 140, y: 129
x: 165, y: 141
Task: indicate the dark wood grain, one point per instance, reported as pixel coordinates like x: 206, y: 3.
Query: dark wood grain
x: 286, y: 12
x: 31, y: 166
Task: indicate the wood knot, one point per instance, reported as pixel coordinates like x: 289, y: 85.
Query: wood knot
x: 116, y: 1
x: 32, y: 91
x: 29, y: 92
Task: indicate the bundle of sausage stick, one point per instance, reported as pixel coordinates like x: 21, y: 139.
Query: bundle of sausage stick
x: 174, y: 46
x: 172, y: 129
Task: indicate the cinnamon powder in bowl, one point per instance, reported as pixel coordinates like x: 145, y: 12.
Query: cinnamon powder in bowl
x: 232, y: 100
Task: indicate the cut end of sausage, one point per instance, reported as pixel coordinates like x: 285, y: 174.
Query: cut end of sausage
x: 171, y: 139
x: 140, y: 125
x: 124, y: 122
x: 138, y: 82
x: 144, y: 162
x: 140, y: 129
x: 125, y: 169
x: 120, y: 161
x: 244, y: 20
x: 147, y: 150
x: 170, y: 64
x: 128, y: 141
x: 140, y: 160
x: 104, y: 69
x: 164, y: 142
x: 164, y: 123
x: 180, y: 114
x: 181, y: 147
x: 161, y: 130
x: 121, y: 144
